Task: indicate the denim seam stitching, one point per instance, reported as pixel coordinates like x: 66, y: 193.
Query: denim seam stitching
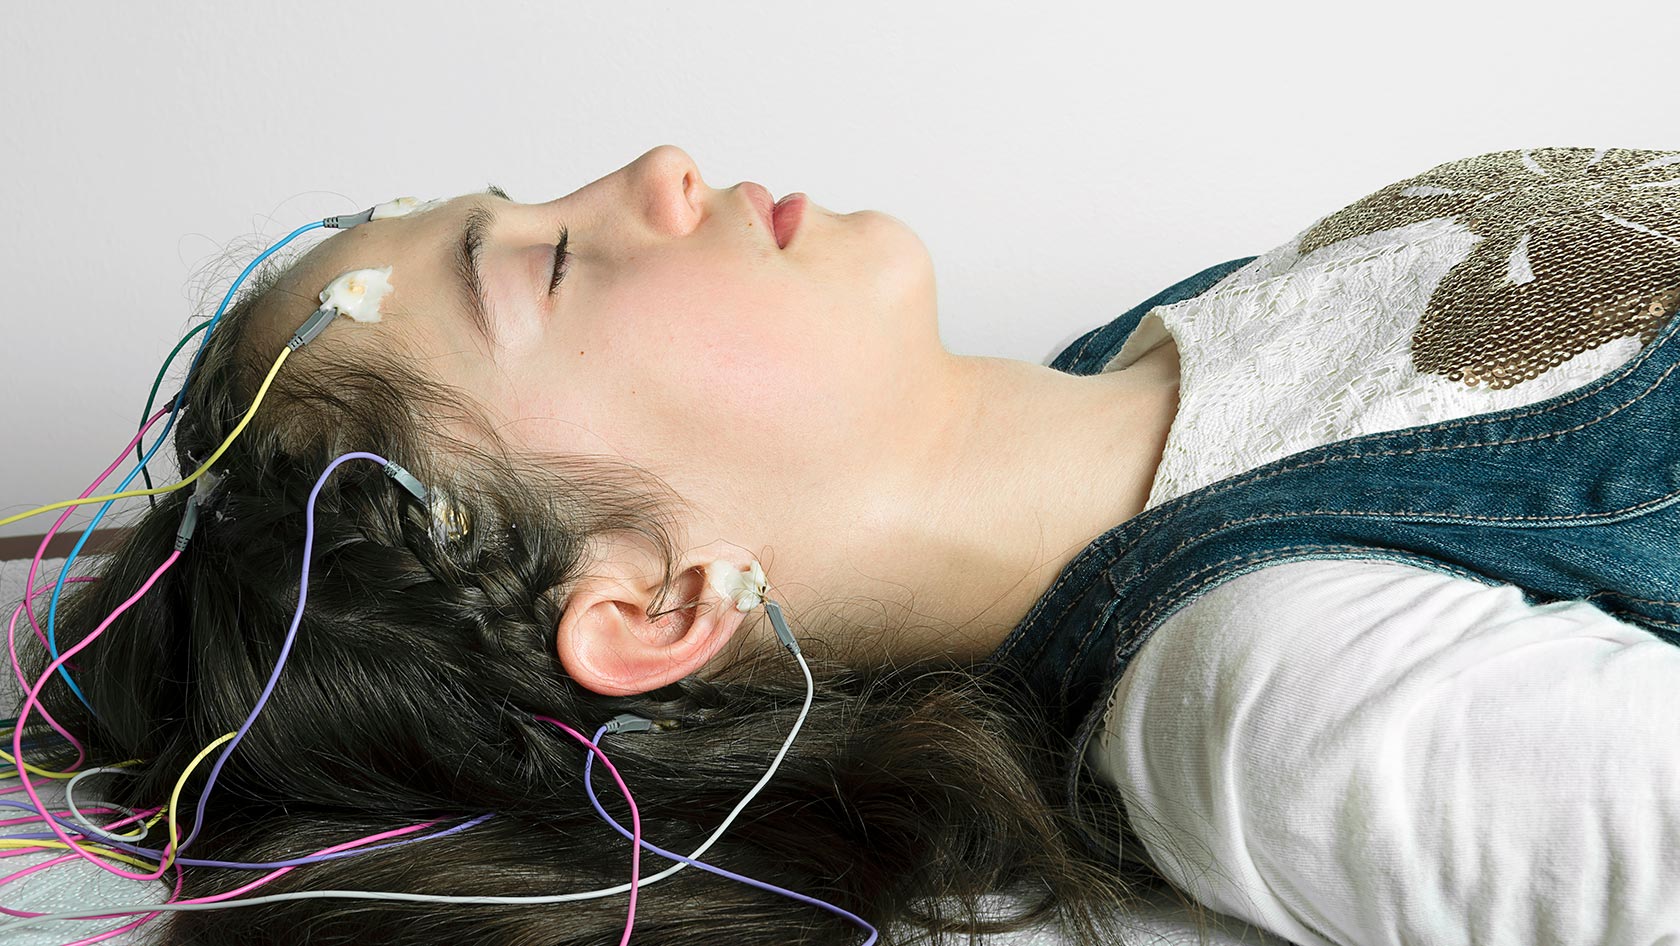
x: 1009, y: 649
x: 1116, y: 553
x: 1172, y: 593
x: 1603, y: 384
x: 1144, y: 619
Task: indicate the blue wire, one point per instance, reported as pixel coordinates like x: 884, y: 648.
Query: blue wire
x: 58, y: 585
x: 588, y: 786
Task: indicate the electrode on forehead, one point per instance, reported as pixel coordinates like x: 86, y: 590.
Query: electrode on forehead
x: 357, y: 293
x: 403, y: 206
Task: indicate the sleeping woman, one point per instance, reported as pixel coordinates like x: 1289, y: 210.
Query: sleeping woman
x: 1332, y: 588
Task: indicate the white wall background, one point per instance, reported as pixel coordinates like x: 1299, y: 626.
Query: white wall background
x: 1062, y: 161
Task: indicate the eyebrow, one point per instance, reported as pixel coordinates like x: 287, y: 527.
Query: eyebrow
x: 468, y: 263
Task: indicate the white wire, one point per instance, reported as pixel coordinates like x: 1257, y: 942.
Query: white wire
x: 95, y: 830
x: 810, y: 692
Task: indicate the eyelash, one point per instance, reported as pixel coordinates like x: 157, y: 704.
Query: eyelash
x: 560, y: 258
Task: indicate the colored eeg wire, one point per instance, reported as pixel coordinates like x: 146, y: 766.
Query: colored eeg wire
x: 225, y: 901
x: 192, y: 368
x: 589, y: 786
x: 262, y: 391
x: 170, y: 853
x: 139, y: 449
x: 182, y: 538
x: 302, y: 337
x: 208, y: 328
x: 46, y: 639
x: 636, y: 841
x: 80, y: 850
x: 341, y: 223
x: 233, y: 738
x: 35, y: 691
x: 30, y: 592
x: 153, y: 852
x: 80, y: 817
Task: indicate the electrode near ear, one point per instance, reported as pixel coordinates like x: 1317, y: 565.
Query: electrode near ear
x: 747, y: 588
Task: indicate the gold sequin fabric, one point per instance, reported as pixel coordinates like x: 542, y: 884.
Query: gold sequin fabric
x: 1579, y: 247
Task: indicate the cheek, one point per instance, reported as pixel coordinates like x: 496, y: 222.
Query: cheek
x: 767, y: 379
x: 738, y: 380
x: 713, y: 351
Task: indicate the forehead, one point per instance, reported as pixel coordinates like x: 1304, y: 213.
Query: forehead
x: 413, y: 238
x: 419, y: 248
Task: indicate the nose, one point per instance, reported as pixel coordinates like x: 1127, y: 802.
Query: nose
x: 668, y: 183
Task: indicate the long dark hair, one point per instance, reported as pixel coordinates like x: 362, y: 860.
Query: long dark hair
x: 411, y: 691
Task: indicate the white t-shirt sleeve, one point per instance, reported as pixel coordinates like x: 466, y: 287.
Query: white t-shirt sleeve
x: 1363, y: 752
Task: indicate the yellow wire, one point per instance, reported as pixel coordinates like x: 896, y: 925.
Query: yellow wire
x: 284, y: 353
x: 175, y: 796
x: 31, y: 768
x: 42, y: 772
x: 125, y: 858
x: 118, y: 855
x: 93, y: 848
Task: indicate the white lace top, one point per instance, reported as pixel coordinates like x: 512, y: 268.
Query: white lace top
x: 1361, y: 752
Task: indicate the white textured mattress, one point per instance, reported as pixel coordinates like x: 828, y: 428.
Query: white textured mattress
x: 74, y: 885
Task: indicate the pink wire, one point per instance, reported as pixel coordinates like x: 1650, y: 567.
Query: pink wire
x: 217, y: 898
x: 76, y: 851
x: 8, y: 822
x: 29, y: 701
x: 70, y: 857
x: 40, y: 553
x: 17, y: 668
x: 19, y: 875
x: 395, y: 832
x: 92, y: 939
x: 15, y: 851
x: 213, y: 898
x: 35, y: 565
x: 635, y: 821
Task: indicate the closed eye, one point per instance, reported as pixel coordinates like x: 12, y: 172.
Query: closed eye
x: 560, y: 257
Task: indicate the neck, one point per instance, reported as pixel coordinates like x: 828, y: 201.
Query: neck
x: 941, y: 547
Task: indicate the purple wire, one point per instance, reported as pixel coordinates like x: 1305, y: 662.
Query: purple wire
x: 291, y: 634
x: 195, y: 862
x: 588, y: 766
x: 588, y: 786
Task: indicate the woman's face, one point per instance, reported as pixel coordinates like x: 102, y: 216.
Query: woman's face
x: 680, y: 336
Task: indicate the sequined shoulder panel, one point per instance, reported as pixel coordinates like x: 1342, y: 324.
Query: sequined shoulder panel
x: 1579, y: 247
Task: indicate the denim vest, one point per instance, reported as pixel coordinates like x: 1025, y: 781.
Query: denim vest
x: 1570, y: 498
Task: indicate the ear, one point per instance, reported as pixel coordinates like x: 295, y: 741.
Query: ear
x: 607, y: 642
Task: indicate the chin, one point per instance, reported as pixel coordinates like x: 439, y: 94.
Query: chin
x: 909, y: 260
x: 893, y: 239
x: 894, y: 262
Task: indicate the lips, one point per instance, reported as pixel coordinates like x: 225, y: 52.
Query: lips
x: 763, y: 203
x: 785, y: 217
x: 781, y: 218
